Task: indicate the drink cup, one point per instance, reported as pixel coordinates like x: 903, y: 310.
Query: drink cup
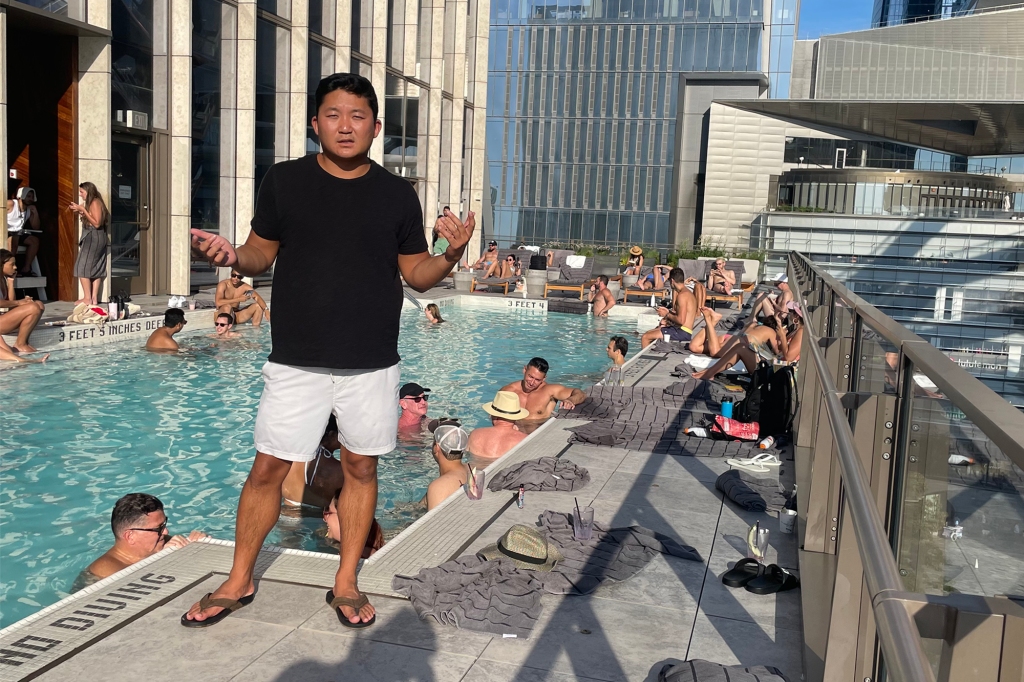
x: 787, y: 520
x: 583, y: 523
x: 475, y: 487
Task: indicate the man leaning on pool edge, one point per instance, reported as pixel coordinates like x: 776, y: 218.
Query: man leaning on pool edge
x: 341, y: 226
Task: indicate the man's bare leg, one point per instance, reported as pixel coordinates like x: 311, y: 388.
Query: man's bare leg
x: 246, y: 314
x: 356, y: 506
x: 258, y: 509
x: 651, y: 336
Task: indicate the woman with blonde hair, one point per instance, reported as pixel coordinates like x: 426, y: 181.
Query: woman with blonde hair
x: 91, y: 264
x: 433, y: 313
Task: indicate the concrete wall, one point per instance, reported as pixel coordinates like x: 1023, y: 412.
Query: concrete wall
x: 802, y: 79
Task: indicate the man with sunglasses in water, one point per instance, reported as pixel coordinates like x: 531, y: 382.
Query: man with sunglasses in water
x: 233, y: 292
x: 140, y: 530
x: 412, y: 398
x: 223, y: 327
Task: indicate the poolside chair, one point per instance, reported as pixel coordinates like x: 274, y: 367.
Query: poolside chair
x: 572, y: 279
x: 502, y: 282
x: 643, y: 294
x: 738, y: 291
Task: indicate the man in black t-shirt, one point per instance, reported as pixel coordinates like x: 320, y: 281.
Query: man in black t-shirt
x: 341, y: 229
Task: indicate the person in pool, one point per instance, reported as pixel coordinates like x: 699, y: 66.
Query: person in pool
x: 433, y: 313
x: 162, y: 338
x: 223, y: 327
x: 539, y: 397
x: 374, y: 539
x: 139, y: 525
x: 450, y: 443
x: 313, y: 482
x: 488, y: 443
x: 412, y: 398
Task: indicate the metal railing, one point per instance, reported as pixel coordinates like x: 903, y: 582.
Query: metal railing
x: 862, y: 437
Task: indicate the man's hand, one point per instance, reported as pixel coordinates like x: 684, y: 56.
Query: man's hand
x: 456, y: 232
x: 662, y: 311
x: 213, y: 248
x: 567, y: 404
x: 179, y: 541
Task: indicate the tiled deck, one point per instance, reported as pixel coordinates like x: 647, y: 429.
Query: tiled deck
x: 672, y: 610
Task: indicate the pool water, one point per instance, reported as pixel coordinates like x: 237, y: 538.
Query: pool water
x: 94, y: 424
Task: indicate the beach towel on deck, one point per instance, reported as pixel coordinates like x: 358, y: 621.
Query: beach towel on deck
x: 706, y: 671
x: 546, y: 474
x: 752, y: 492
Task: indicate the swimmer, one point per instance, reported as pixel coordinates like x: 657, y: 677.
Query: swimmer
x: 162, y: 338
x: 312, y: 483
x: 433, y: 313
x: 224, y: 324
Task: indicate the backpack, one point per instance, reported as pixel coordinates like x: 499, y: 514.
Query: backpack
x: 749, y: 409
x: 778, y: 412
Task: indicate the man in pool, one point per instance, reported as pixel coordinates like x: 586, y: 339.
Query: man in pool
x: 600, y: 296
x: 491, y: 442
x: 539, y: 397
x: 313, y: 483
x: 450, y: 443
x: 337, y: 224
x: 223, y: 326
x: 162, y: 338
x: 412, y: 398
x: 617, y: 348
x: 233, y: 292
x: 140, y: 530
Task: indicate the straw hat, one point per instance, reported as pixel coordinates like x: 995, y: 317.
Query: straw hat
x: 526, y: 547
x: 506, y: 406
x: 636, y: 251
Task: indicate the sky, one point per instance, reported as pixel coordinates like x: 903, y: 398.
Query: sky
x: 822, y: 17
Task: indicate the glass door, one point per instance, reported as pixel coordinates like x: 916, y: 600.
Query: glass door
x: 129, y: 214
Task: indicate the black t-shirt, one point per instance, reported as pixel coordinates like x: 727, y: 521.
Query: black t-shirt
x: 337, y: 293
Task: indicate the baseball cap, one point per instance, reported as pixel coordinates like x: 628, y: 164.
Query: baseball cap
x: 411, y: 389
x: 781, y: 277
x: 492, y: 243
x: 451, y: 438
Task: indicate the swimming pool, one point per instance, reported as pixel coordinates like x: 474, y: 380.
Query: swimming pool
x: 93, y: 424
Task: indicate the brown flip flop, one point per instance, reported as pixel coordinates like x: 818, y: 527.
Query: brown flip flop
x: 229, y: 606
x: 356, y: 604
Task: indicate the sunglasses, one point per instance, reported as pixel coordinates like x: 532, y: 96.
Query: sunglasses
x: 511, y: 260
x: 235, y: 275
x: 159, y: 530
x: 416, y: 398
x: 222, y: 324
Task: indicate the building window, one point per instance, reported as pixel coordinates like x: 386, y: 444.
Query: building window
x: 282, y: 8
x: 272, y: 67
x: 321, y: 17
x: 131, y: 55
x: 401, y: 127
x: 319, y: 64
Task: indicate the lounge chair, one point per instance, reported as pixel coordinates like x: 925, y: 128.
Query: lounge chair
x: 502, y: 282
x: 738, y: 291
x: 642, y: 294
x: 572, y: 279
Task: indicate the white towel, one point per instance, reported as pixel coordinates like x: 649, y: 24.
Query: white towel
x: 700, y: 361
x: 575, y: 261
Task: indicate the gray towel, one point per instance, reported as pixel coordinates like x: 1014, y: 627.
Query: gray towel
x: 473, y: 594
x: 750, y: 492
x: 611, y: 554
x: 546, y: 474
x: 706, y: 671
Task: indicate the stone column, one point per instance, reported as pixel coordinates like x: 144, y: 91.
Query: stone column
x: 432, y: 71
x: 245, y: 116
x: 378, y: 64
x: 343, y: 36
x: 228, y: 124
x: 180, y: 129
x: 476, y: 57
x: 297, y: 81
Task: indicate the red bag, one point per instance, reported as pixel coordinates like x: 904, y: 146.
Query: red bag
x: 730, y: 428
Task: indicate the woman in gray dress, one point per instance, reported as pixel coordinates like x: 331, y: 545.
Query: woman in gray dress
x: 91, y: 264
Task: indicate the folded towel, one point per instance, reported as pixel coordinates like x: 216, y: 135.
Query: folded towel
x: 706, y: 671
x: 575, y: 261
x: 700, y: 361
x: 545, y: 475
x: 750, y: 492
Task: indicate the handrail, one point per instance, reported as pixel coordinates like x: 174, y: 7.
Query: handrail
x: 900, y: 640
x: 1000, y: 421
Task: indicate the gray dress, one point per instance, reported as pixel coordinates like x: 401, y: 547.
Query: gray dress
x: 92, y: 253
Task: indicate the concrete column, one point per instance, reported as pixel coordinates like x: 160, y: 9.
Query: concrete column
x: 343, y: 36
x: 94, y: 114
x: 476, y: 57
x: 296, y: 88
x: 228, y: 123
x: 378, y: 64
x: 245, y: 115
x: 3, y: 108
x: 180, y: 128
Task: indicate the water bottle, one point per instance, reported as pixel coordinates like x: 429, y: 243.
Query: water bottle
x: 766, y: 443
x: 654, y: 302
x: 727, y: 407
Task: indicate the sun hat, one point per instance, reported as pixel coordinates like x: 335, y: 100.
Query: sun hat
x: 795, y: 307
x: 636, y: 251
x: 526, y: 547
x: 506, y: 406
x: 781, y: 277
x: 411, y: 390
x: 451, y: 438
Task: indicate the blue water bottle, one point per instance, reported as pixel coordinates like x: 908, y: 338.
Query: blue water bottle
x: 727, y: 407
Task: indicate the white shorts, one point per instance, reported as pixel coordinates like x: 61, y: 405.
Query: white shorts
x: 297, y: 402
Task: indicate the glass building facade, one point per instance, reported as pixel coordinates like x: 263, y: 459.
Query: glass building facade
x: 582, y: 110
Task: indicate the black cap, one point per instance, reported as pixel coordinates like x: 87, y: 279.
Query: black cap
x: 411, y: 390
x: 492, y: 243
x: 443, y: 421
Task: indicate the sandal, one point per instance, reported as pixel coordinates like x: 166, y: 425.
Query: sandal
x: 356, y: 604
x: 774, y: 579
x: 229, y: 606
x: 742, y: 573
x: 758, y: 463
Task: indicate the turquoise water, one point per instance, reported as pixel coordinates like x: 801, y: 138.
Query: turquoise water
x: 94, y: 424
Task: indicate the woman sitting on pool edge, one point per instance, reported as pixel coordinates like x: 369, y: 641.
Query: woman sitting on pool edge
x: 433, y: 313
x: 17, y: 316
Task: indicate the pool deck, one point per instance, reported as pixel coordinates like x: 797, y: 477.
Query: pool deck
x: 126, y: 627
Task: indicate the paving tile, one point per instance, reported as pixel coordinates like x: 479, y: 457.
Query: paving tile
x: 492, y: 671
x: 675, y: 466
x: 613, y: 647
x: 694, y: 528
x: 279, y: 603
x: 592, y: 456
x: 156, y: 647
x: 398, y: 623
x: 312, y: 656
x: 661, y: 492
x: 732, y: 642
x: 667, y: 581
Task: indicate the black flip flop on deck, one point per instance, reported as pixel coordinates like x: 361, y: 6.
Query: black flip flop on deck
x: 742, y: 573
x: 229, y: 606
x: 356, y: 604
x: 774, y: 579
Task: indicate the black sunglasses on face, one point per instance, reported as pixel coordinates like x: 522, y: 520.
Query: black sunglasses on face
x: 223, y: 324
x: 235, y: 275
x: 159, y: 530
x: 417, y: 398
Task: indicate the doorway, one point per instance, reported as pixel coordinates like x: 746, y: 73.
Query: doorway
x: 130, y: 222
